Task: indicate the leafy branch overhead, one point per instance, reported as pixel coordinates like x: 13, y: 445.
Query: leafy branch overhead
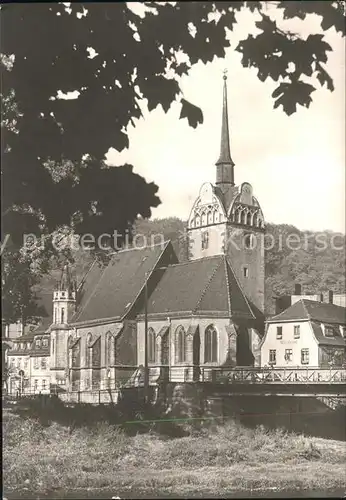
x: 116, y: 59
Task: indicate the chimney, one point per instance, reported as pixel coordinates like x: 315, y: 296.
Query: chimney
x: 297, y: 289
x: 330, y: 296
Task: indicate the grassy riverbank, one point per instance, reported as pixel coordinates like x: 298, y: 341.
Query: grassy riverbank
x: 45, y: 459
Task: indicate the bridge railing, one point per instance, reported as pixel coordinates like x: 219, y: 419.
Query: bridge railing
x: 241, y: 374
x: 251, y: 375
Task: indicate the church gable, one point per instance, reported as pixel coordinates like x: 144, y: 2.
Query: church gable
x: 245, y: 208
x: 207, y: 209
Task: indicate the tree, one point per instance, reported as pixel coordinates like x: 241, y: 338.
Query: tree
x: 52, y: 156
x: 17, y: 282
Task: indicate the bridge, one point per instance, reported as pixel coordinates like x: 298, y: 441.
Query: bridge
x: 216, y: 382
x: 250, y: 380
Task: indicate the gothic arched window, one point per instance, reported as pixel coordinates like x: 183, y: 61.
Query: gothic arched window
x: 88, y: 351
x: 180, y: 350
x: 110, y: 349
x: 210, y: 344
x: 151, y: 345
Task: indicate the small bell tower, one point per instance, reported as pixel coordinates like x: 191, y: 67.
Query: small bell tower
x: 64, y: 298
x: 64, y: 306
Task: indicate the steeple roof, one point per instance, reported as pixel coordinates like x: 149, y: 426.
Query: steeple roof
x: 225, y: 152
x: 66, y: 282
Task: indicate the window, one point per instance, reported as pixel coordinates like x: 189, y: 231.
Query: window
x: 55, y: 315
x: 110, y: 349
x: 43, y: 363
x: 53, y: 346
x: 26, y: 362
x: 246, y: 272
x: 62, y: 315
x: 38, y: 343
x: 205, y: 240
x: 35, y: 384
x: 180, y: 344
x: 288, y: 354
x: 19, y: 360
x: 329, y: 331
x: 279, y: 332
x: 88, y: 350
x: 36, y: 361
x: 44, y: 342
x: 13, y: 361
x: 210, y: 344
x: 296, y: 331
x: 343, y: 331
x: 248, y: 241
x: 272, y: 356
x: 44, y: 384
x: 151, y: 346
x: 305, y: 356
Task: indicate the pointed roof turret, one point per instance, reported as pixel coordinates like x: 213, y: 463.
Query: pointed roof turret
x: 225, y: 163
x: 66, y: 283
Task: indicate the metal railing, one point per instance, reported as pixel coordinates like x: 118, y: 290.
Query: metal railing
x: 161, y: 374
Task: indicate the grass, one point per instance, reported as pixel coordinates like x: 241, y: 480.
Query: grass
x: 229, y: 457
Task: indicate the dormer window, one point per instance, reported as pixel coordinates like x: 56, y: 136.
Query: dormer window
x: 38, y: 343
x: 331, y: 331
x: 343, y: 330
x: 44, y: 342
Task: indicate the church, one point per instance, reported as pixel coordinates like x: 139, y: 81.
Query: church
x: 206, y: 312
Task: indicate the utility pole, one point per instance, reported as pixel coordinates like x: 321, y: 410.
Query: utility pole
x: 146, y: 368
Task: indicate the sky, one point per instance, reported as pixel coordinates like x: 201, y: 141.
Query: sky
x: 295, y: 164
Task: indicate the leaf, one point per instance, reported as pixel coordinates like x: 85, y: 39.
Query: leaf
x: 324, y: 78
x: 296, y: 92
x: 182, y: 68
x: 191, y: 112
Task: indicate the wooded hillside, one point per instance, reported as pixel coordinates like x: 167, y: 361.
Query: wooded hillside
x: 316, y: 261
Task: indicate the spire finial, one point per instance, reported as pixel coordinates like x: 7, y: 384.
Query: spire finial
x: 225, y: 162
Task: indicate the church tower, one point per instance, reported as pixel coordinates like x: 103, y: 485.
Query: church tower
x: 64, y: 305
x: 227, y: 219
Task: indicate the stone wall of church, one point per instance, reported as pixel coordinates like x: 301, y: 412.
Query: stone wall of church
x: 247, y: 263
x: 215, y: 245
x: 97, y: 365
x: 183, y: 371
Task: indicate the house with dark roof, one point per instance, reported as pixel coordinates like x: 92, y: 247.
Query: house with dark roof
x: 307, y: 334
x: 28, y: 356
x: 29, y: 364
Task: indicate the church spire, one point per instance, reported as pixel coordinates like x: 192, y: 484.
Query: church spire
x: 225, y: 164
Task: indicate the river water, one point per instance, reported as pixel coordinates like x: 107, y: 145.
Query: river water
x: 126, y: 495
